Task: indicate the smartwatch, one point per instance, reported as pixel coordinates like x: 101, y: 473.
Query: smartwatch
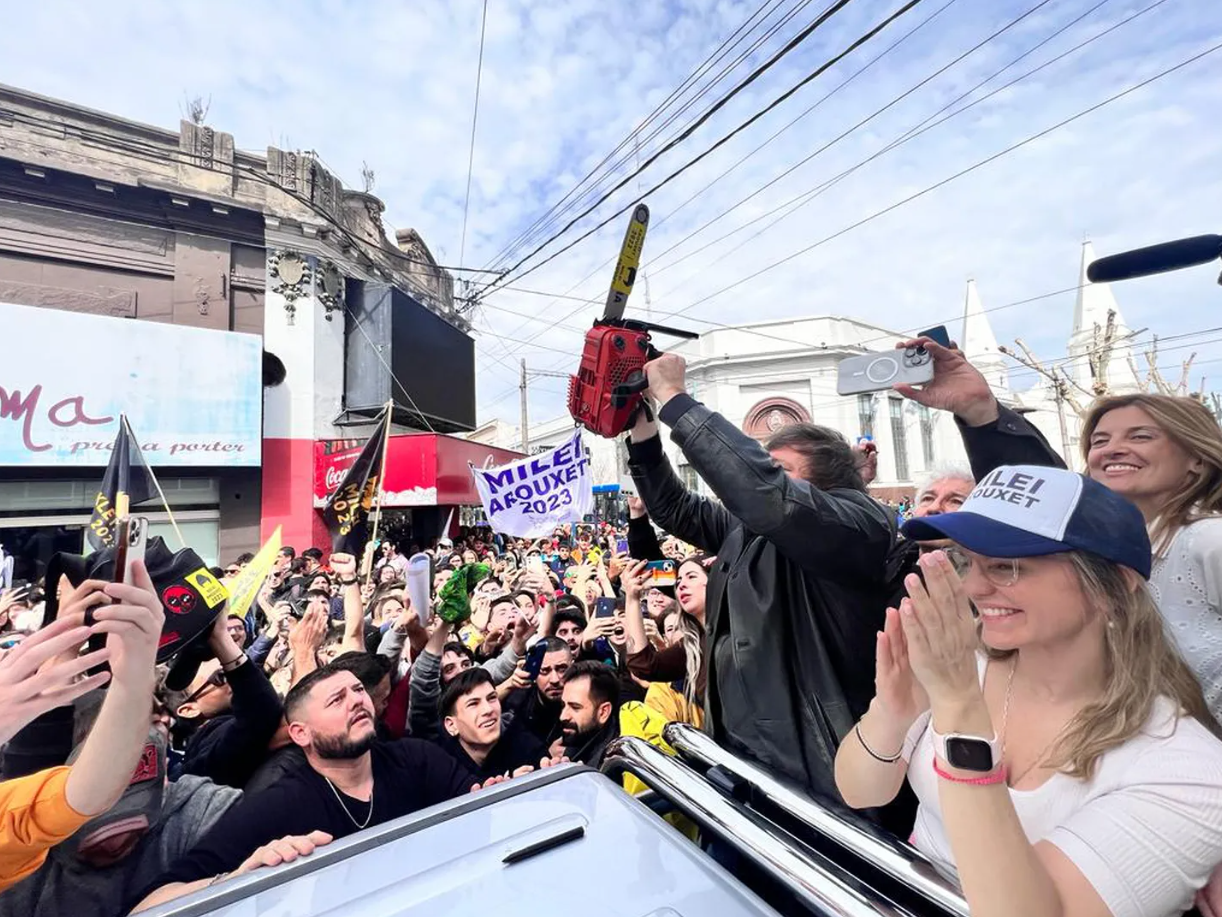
x: 969, y: 753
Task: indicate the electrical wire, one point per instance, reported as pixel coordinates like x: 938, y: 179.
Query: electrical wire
x: 606, y: 264
x: 801, y: 200
x: 915, y: 131
x: 671, y: 212
x: 945, y: 181
x: 548, y: 218
x: 717, y: 145
x: 862, y: 123
x: 479, y: 73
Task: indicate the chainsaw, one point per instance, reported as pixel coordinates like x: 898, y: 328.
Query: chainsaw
x: 606, y: 393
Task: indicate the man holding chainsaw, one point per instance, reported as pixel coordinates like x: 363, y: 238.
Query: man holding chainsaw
x: 800, y: 585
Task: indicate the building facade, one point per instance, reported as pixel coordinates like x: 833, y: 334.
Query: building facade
x: 277, y: 299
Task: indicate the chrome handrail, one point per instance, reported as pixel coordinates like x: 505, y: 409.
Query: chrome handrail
x: 896, y: 859
x: 821, y: 884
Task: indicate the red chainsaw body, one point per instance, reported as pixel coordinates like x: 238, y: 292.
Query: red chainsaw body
x: 614, y: 354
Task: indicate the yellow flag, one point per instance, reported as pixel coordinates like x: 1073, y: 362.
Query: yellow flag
x: 244, y: 588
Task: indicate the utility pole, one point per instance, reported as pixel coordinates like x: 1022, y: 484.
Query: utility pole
x: 525, y: 422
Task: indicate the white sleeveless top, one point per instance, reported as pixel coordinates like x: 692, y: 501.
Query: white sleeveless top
x: 1145, y: 831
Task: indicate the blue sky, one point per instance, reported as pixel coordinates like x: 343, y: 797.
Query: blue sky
x: 391, y: 83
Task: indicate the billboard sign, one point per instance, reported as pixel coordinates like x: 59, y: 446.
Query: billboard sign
x: 193, y: 397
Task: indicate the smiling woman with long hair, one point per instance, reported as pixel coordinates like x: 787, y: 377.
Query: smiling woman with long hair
x: 1061, y: 749
x: 1165, y: 455
x: 683, y: 661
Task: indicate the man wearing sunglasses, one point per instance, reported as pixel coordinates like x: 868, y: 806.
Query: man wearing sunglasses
x: 230, y: 713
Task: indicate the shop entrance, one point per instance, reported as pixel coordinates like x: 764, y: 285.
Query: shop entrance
x: 33, y: 546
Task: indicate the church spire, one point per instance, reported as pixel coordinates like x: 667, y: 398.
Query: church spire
x: 1090, y: 319
x: 979, y: 344
x: 1094, y: 300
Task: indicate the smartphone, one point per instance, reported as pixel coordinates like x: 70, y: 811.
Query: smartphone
x: 534, y: 563
x: 937, y: 333
x: 621, y: 546
x: 131, y: 536
x: 604, y: 608
x: 878, y: 372
x: 662, y: 573
x: 534, y: 659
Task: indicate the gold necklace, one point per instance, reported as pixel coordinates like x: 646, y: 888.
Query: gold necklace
x: 1005, y: 720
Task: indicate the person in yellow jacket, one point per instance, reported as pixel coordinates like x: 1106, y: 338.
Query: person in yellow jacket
x: 46, y: 671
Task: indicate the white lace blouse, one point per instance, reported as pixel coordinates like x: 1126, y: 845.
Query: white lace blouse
x: 1187, y: 585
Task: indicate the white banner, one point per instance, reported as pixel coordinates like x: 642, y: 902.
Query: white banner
x: 193, y: 396
x: 530, y: 497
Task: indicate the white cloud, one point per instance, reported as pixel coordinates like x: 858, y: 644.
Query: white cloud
x: 564, y: 82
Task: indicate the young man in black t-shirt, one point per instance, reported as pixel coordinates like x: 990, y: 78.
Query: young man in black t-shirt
x: 474, y: 734
x: 352, y: 781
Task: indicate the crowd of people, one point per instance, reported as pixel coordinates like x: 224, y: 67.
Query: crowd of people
x: 1020, y: 673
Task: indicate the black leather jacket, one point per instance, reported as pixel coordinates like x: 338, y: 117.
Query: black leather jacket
x: 795, y: 598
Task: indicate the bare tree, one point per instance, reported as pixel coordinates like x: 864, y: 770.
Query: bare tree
x: 196, y: 108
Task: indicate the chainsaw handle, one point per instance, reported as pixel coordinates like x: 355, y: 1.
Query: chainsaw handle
x: 633, y: 385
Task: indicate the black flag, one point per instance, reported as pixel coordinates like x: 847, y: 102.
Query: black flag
x: 347, y: 509
x: 127, y: 481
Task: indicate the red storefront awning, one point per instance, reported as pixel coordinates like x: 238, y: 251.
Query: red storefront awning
x: 422, y: 469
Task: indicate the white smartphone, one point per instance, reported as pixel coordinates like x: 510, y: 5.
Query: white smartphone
x: 131, y: 537
x: 877, y: 372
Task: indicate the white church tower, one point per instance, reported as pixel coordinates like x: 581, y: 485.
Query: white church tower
x: 979, y: 344
x: 1090, y: 320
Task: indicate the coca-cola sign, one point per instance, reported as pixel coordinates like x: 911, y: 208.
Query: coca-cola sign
x: 332, y: 459
x: 331, y: 478
x: 422, y: 469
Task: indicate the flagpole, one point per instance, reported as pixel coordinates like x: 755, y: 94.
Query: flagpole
x: 377, y: 510
x: 182, y: 542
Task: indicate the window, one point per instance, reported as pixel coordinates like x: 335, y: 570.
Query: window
x: 926, y: 416
x: 865, y: 414
x: 899, y: 438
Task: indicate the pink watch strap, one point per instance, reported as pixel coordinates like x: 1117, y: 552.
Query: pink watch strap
x: 999, y: 775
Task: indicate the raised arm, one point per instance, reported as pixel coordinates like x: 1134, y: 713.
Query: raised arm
x: 836, y: 530
x: 993, y: 435
x: 344, y: 566
x: 684, y: 514
x: 642, y: 539
x: 425, y: 686
x: 132, y: 624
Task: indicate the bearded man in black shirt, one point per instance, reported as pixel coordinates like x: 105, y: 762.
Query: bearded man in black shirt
x: 349, y: 781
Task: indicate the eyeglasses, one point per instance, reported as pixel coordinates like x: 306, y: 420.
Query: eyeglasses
x: 1000, y: 571
x: 215, y: 680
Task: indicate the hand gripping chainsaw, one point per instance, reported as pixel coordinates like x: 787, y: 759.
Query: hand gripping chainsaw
x: 605, y: 394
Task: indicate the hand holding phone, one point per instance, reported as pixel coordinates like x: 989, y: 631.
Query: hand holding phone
x: 534, y: 659
x: 662, y: 573
x: 880, y: 372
